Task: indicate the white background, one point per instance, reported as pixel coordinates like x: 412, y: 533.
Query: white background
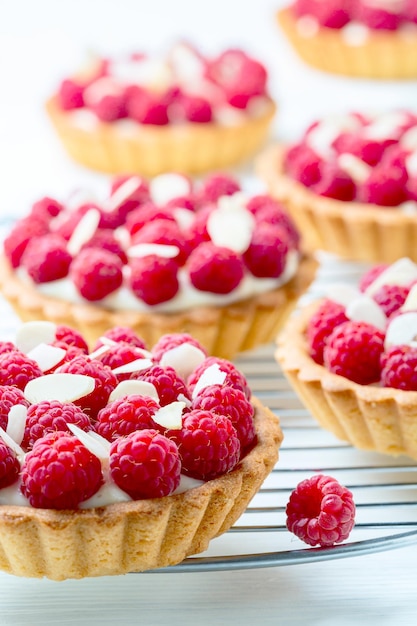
x: 40, y: 41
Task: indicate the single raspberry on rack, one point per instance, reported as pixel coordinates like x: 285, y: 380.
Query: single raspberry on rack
x: 391, y: 298
x: 173, y: 340
x: 208, y: 444
x: 371, y: 275
x: 9, y: 465
x: 166, y: 381
x: 329, y: 315
x: 23, y: 231
x: 215, y: 268
x: 234, y: 378
x: 146, y: 107
x: 154, y: 279
x: 71, y: 336
x: 96, y: 273
x: 267, y: 253
x: 9, y: 396
x: 320, y: 511
x: 50, y: 416
x: 125, y: 415
x: 231, y: 403
x: 353, y: 350
x: 145, y: 464
x: 122, y: 334
x: 399, y: 368
x: 46, y: 258
x: 60, y: 472
x: 216, y: 185
x: 118, y: 355
x: 104, y: 239
x: 17, y: 369
x: 71, y: 94
x: 164, y: 232
x: 105, y: 382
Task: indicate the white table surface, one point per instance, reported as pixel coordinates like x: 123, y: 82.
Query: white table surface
x: 41, y: 41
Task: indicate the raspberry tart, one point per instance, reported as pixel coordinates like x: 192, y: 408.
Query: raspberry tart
x: 182, y: 111
x: 350, y: 184
x: 352, y: 359
x: 125, y: 458
x: 160, y: 256
x: 359, y: 38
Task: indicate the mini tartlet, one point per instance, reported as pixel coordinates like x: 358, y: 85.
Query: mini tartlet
x: 349, y: 184
x: 357, y: 39
x: 184, y: 112
x: 351, y: 358
x: 165, y: 256
x: 94, y: 525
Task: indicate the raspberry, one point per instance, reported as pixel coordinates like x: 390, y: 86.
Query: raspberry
x: 320, y: 511
x: 234, y: 378
x: 216, y: 185
x: 71, y: 337
x: 166, y: 233
x: 125, y: 415
x: 240, y: 76
x: 66, y: 227
x: 378, y: 18
x: 105, y: 382
x: 104, y: 239
x: 19, y: 237
x: 154, y: 279
x: 146, y: 107
x: 166, y: 381
x: 17, y: 369
x: 145, y: 464
x: 132, y: 200
x: 329, y: 315
x: 122, y: 334
x: 399, y: 368
x: 6, y: 346
x: 119, y: 355
x: 215, y: 268
x: 45, y: 208
x: 303, y: 164
x: 208, y: 444
x: 183, y: 202
x: 46, y: 258
x: 9, y: 396
x: 331, y: 14
x: 172, y: 340
x: 367, y: 150
x: 146, y: 214
x: 9, y: 465
x: 194, y: 109
x: 385, y: 186
x: 353, y: 350
x: 371, y: 275
x: 50, y: 416
x: 70, y: 353
x: 96, y: 273
x: 231, y: 403
x: 70, y: 95
x: 59, y: 473
x: 391, y: 298
x: 335, y: 183
x: 267, y: 253
x: 197, y: 232
x: 268, y: 211
x: 107, y: 99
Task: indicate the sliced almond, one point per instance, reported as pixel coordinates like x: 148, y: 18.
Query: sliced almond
x: 46, y: 356
x: 31, y: 334
x: 133, y: 366
x: 97, y: 445
x: 62, y: 387
x: 159, y: 249
x: 213, y: 375
x: 365, y: 309
x: 16, y: 422
x: 183, y: 358
x: 134, y: 387
x: 231, y: 228
x: 166, y: 187
x: 402, y: 272
x: 402, y: 330
x: 83, y: 231
x: 170, y: 415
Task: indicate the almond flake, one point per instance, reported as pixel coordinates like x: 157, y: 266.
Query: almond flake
x: 365, y: 309
x: 134, y: 388
x: 46, y: 356
x: 31, y: 334
x: 342, y: 294
x: 401, y: 330
x: 83, y: 231
x: 183, y: 217
x: 166, y: 187
x: 97, y: 445
x: 170, y: 415
x: 145, y: 249
x: 16, y: 422
x: 183, y: 358
x: 213, y: 375
x: 63, y: 387
x: 133, y: 366
x: 12, y: 444
x: 357, y: 169
x: 99, y: 352
x: 231, y: 228
x: 410, y: 303
x: 123, y: 193
x: 402, y: 272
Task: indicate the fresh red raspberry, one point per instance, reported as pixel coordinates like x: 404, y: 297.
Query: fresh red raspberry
x: 145, y: 464
x: 139, y: 196
x: 136, y: 193
x: 399, y: 368
x: 6, y: 346
x: 45, y: 208
x: 240, y: 77
x: 173, y: 340
x: 50, y: 416
x: 370, y: 151
x: 234, y: 378
x: 166, y: 381
x: 105, y: 381
x: 371, y: 275
x: 71, y: 337
x: 146, y: 107
x: 231, y: 403
x: 197, y: 232
x: 122, y: 334
x: 329, y: 315
x: 164, y: 232
x: 378, y: 18
x: 145, y: 214
x: 268, y: 211
x: 194, y: 109
x: 154, y: 279
x: 66, y: 226
x: 60, y: 472
x: 332, y: 14
x: 71, y: 94
x: 303, y: 164
x: 107, y: 99
x: 267, y: 253
x: 9, y: 396
x: 70, y: 353
x: 9, y: 466
x: 320, y: 511
x: 104, y: 239
x: 20, y: 235
x: 46, y: 258
x: 353, y: 350
x: 215, y: 268
x: 119, y: 355
x: 385, y: 186
x: 184, y: 202
x: 335, y: 183
x: 391, y: 298
x: 216, y: 185
x: 125, y: 415
x: 208, y: 444
x: 96, y: 273
x: 17, y: 369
